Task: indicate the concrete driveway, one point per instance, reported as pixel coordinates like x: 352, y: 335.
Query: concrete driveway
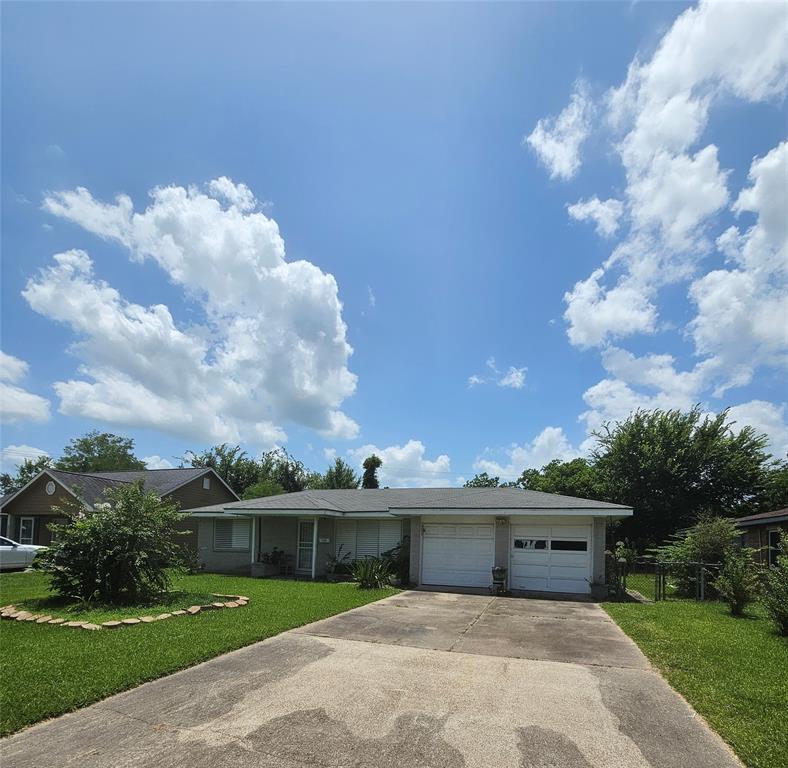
x: 420, y: 679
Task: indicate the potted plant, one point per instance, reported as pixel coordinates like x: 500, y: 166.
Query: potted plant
x: 336, y: 563
x: 268, y: 563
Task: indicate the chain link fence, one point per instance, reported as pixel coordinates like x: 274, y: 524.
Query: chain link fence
x: 661, y: 580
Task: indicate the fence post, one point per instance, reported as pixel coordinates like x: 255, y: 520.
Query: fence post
x: 702, y: 581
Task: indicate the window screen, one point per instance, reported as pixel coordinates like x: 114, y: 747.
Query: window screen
x: 567, y: 545
x: 231, y: 534
x: 530, y: 543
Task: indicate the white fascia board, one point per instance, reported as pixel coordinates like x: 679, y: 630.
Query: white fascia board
x: 212, y: 514
x: 508, y: 512
x: 311, y: 513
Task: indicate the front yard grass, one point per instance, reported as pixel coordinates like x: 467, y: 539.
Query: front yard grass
x: 47, y: 670
x: 734, y: 672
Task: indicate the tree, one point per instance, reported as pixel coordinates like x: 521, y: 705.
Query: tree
x: 371, y: 466
x: 262, y: 488
x: 570, y: 478
x: 99, y: 452
x: 341, y: 475
x: 121, y: 550
x: 25, y: 472
x: 230, y: 463
x: 282, y: 468
x: 672, y: 467
x: 775, y: 589
x: 737, y: 583
x: 483, y: 480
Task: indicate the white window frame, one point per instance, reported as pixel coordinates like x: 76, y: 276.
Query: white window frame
x: 232, y: 521
x: 206, y: 483
x: 32, y: 529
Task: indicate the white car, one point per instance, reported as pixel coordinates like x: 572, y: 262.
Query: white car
x: 16, y: 555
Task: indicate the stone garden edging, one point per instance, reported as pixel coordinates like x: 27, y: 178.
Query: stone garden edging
x: 11, y: 612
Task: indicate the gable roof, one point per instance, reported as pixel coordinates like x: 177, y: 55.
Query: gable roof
x: 777, y: 516
x: 395, y: 500
x: 90, y: 487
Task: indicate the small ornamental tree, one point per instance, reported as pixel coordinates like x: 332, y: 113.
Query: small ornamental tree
x: 371, y: 465
x: 775, y: 589
x: 737, y: 583
x: 121, y: 551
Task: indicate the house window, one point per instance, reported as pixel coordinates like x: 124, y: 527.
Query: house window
x: 366, y: 538
x: 568, y: 545
x: 206, y: 483
x: 26, y: 528
x: 231, y: 535
x: 3, y: 524
x: 530, y: 543
x: 774, y: 541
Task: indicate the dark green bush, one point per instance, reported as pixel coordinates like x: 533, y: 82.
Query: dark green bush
x: 737, y: 583
x: 708, y: 541
x: 371, y: 573
x: 775, y: 589
x: 120, y: 551
x: 399, y: 560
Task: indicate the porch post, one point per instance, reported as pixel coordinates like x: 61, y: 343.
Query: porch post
x: 314, y: 546
x: 254, y: 540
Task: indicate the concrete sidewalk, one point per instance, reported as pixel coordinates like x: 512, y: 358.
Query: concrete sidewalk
x: 418, y: 680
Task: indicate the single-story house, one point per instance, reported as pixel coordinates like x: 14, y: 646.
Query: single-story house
x: 25, y: 514
x: 547, y: 542
x: 763, y: 532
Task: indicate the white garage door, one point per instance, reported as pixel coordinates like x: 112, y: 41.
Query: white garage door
x: 457, y: 554
x: 551, y: 558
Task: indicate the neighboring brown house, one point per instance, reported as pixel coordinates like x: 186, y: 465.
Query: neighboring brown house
x: 27, y: 513
x: 763, y: 532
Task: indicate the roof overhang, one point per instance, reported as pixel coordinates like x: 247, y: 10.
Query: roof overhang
x: 762, y: 521
x: 508, y: 512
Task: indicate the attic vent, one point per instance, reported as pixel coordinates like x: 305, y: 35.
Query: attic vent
x: 206, y: 483
x: 50, y: 488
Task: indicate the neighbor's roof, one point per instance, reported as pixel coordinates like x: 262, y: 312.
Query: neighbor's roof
x: 779, y: 515
x: 90, y: 487
x: 400, y: 499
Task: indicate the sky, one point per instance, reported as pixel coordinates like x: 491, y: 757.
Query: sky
x: 462, y: 236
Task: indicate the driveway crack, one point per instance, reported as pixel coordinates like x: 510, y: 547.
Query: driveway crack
x: 471, y: 624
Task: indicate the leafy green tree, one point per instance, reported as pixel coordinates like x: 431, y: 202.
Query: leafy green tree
x: 737, y: 583
x: 25, y: 472
x: 121, y: 550
x: 371, y: 466
x: 340, y: 475
x: 776, y: 496
x: 482, y: 480
x: 775, y: 589
x: 99, y: 452
x: 672, y: 467
x: 263, y: 488
x: 230, y: 463
x: 285, y: 470
x: 577, y: 477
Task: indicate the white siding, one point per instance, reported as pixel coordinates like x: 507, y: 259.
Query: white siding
x: 345, y: 538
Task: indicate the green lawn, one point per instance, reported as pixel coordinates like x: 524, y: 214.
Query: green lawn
x: 48, y: 670
x: 734, y: 672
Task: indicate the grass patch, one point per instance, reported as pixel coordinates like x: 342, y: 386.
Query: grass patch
x: 734, y: 672
x: 48, y: 670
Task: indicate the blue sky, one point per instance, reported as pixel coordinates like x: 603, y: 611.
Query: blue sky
x: 524, y: 219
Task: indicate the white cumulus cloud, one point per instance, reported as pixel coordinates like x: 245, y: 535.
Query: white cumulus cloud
x: 557, y: 140
x: 157, y: 462
x: 13, y: 455
x: 509, y: 463
x: 604, y: 213
x: 405, y: 466
x: 17, y: 404
x: 271, y: 348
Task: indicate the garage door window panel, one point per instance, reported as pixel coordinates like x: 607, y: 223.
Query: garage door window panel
x: 567, y: 545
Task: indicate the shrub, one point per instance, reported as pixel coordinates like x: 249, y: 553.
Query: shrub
x: 737, y: 583
x: 708, y: 541
x: 775, y: 589
x: 399, y: 559
x: 119, y: 551
x: 371, y: 573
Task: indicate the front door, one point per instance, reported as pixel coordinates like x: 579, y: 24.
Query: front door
x: 26, y: 528
x: 306, y: 534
